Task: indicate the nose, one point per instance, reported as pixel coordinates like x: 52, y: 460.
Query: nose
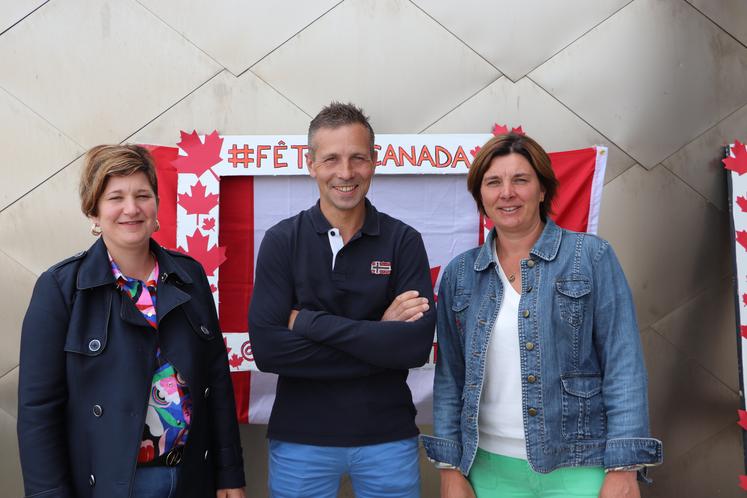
x: 507, y: 190
x: 345, y: 170
x: 130, y: 205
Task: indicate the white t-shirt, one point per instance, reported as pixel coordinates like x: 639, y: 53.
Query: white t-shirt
x: 500, y: 417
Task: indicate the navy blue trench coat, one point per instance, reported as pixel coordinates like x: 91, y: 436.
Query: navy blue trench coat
x: 87, y: 361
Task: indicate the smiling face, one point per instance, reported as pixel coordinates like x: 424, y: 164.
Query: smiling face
x: 127, y: 212
x: 342, y: 165
x: 511, y: 194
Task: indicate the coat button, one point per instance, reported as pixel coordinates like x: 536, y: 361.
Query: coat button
x: 529, y: 289
x: 94, y: 345
x: 530, y: 263
x: 532, y: 412
x: 92, y: 480
x: 531, y: 379
x: 97, y: 410
x: 206, y: 454
x: 207, y: 392
x: 529, y: 346
x: 525, y: 313
x: 204, y: 330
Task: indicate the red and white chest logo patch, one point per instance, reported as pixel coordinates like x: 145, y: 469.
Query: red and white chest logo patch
x: 381, y: 267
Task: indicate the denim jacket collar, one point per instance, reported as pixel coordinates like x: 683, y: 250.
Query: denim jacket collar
x: 546, y: 246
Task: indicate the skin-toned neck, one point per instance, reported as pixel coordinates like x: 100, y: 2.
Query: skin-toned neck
x: 348, y: 221
x: 512, y: 244
x: 135, y: 262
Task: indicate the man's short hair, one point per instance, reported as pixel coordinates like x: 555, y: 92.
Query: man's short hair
x: 337, y: 114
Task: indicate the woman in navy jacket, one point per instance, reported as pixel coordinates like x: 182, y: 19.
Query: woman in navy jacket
x: 124, y: 389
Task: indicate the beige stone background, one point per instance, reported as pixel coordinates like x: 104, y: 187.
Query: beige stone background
x: 662, y: 83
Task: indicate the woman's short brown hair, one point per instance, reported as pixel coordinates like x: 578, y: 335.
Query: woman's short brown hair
x: 105, y: 161
x: 513, y: 143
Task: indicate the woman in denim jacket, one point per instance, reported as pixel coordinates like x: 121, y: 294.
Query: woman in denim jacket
x: 540, y: 386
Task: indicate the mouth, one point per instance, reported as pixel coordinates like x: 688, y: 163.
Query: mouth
x: 508, y: 209
x: 344, y: 188
x: 130, y: 223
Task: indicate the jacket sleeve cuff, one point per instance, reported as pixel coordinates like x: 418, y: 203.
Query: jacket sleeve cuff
x: 442, y: 450
x: 623, y: 452
x: 229, y: 472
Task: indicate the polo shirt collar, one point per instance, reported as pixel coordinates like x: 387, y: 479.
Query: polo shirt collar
x: 371, y: 225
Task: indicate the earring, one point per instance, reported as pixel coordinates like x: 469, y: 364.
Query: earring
x: 95, y: 230
x: 158, y: 226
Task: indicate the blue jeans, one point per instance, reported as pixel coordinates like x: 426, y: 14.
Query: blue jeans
x: 155, y: 482
x: 387, y: 470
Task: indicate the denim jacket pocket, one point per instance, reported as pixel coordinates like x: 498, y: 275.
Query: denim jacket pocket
x: 459, y: 308
x: 571, y: 301
x: 583, y: 407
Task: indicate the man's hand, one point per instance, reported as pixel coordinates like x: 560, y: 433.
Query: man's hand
x: 407, y: 307
x: 620, y: 484
x: 230, y: 493
x: 292, y: 318
x: 455, y: 485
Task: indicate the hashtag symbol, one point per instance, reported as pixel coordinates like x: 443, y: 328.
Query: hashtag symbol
x: 240, y: 156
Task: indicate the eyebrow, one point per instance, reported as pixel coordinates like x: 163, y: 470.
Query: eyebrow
x: 120, y: 191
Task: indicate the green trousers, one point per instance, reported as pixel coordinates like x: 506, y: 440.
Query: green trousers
x: 498, y: 476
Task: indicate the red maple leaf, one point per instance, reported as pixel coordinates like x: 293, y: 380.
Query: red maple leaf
x: 518, y: 131
x: 197, y: 202
x: 213, y: 288
x: 742, y: 203
x: 742, y: 238
x: 743, y: 329
x: 744, y: 299
x: 499, y: 129
x: 235, y: 361
x: 200, y: 156
x: 211, y: 258
x: 475, y: 150
x: 742, y: 419
x: 738, y: 163
x: 743, y: 482
x: 208, y: 224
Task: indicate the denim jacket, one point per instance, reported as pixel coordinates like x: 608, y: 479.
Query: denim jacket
x: 583, y: 379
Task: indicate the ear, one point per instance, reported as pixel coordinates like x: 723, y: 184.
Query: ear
x: 310, y: 165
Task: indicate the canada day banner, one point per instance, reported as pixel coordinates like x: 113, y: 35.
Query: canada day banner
x: 220, y: 194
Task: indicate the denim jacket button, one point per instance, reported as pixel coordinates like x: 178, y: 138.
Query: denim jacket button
x: 529, y: 346
x: 525, y: 314
x: 529, y: 289
x: 531, y: 379
x: 530, y: 263
x: 532, y: 412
